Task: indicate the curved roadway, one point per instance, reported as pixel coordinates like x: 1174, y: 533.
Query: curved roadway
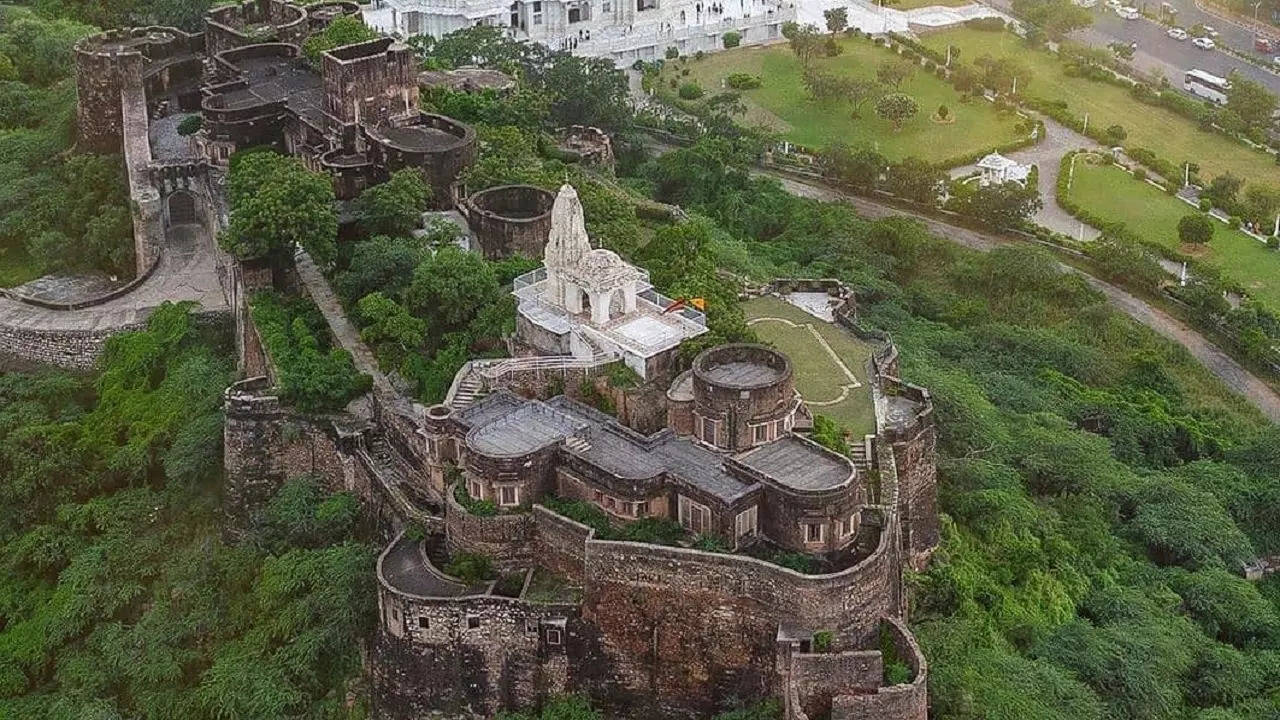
x: 1230, y: 372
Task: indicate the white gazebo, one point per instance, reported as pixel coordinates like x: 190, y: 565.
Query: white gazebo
x: 998, y: 169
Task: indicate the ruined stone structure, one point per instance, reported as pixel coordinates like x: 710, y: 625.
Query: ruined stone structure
x: 587, y: 145
x: 645, y: 630
x: 510, y: 220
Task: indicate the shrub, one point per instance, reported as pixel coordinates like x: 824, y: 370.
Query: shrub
x: 313, y: 376
x: 190, y: 125
x: 1195, y: 228
x: 479, y: 508
x: 699, y: 55
x: 831, y: 48
x: 743, y: 81
x: 943, y: 112
x: 1233, y: 222
x: 672, y: 53
x: 690, y: 91
x: 823, y: 640
x: 470, y: 568
x: 731, y: 39
x: 1139, y: 174
x: 929, y: 65
x: 1206, y: 204
x: 1116, y: 134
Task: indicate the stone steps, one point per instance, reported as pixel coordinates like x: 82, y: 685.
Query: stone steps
x: 469, y: 390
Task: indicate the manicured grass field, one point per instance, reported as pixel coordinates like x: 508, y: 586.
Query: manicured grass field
x: 16, y: 267
x: 1171, y: 136
x: 781, y: 103
x: 820, y: 379
x: 1114, y: 194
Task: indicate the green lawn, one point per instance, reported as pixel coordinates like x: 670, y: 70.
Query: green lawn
x: 16, y: 267
x: 1171, y: 136
x: 1113, y: 194
x: 782, y: 103
x: 819, y: 379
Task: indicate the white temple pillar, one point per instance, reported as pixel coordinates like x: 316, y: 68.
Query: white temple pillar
x: 600, y: 306
x: 572, y: 297
x: 629, y: 298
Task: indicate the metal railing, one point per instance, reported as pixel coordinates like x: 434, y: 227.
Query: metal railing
x: 502, y: 368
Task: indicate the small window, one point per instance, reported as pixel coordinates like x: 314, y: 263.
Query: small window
x: 598, y: 496
x: 537, y: 6
x: 473, y: 622
x: 537, y: 19
x: 846, y: 526
x: 424, y: 622
x: 745, y: 523
x: 433, y: 447
x: 610, y: 503
x: 640, y: 509
x: 760, y: 433
x: 475, y: 490
x: 694, y: 517
x: 554, y: 636
x: 509, y: 496
x: 395, y: 613
x: 813, y: 532
x: 709, y: 430
x: 606, y: 6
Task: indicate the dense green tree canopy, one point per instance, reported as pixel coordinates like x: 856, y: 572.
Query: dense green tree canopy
x: 278, y: 204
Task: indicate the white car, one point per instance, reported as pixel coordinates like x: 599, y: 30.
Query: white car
x: 1203, y: 43
x: 1208, y: 29
x: 1177, y: 33
x: 1128, y: 13
x: 1114, y: 4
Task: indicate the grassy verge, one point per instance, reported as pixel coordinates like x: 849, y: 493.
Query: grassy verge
x: 1170, y: 135
x: 782, y: 104
x: 1114, y: 195
x: 16, y: 267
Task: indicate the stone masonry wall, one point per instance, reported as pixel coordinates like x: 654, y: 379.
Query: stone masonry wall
x: 684, y: 629
x: 475, y: 654
x: 909, y: 701
x: 505, y: 539
x: 265, y: 444
x: 819, y: 677
x: 560, y: 544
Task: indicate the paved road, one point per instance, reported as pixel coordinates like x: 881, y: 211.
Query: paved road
x: 1158, y: 52
x: 187, y: 271
x: 1047, y: 155
x: 1231, y: 373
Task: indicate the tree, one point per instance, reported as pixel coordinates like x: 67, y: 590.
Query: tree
x: 915, y: 179
x: 389, y: 328
x: 860, y: 167
x: 585, y: 91
x: 1222, y: 191
x: 1250, y: 101
x: 276, y: 203
x: 449, y: 288
x: 1000, y: 205
x: 895, y: 71
x: 1003, y: 75
x: 380, y: 264
x: 860, y: 90
x: 805, y: 41
x: 1261, y: 204
x: 394, y: 207
x: 1195, y: 228
x: 344, y: 30
x: 837, y: 19
x: 1116, y: 134
x: 1057, y: 18
x: 823, y: 86
x: 897, y: 108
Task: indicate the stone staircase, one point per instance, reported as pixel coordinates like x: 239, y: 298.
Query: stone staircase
x: 470, y: 388
x: 578, y: 444
x: 860, y: 454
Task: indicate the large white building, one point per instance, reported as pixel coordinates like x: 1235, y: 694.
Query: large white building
x: 624, y: 30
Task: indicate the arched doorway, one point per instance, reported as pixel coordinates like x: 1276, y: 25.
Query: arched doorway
x: 182, y: 208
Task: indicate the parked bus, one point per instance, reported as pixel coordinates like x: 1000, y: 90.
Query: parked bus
x: 1205, y: 85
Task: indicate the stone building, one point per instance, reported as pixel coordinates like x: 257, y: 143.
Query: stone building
x: 718, y: 613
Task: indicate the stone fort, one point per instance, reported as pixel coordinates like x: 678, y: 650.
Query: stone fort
x: 717, y: 446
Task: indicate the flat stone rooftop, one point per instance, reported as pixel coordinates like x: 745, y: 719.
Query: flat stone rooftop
x: 505, y: 425
x: 272, y: 79
x: 799, y: 464
x: 419, y: 137
x: 742, y: 373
